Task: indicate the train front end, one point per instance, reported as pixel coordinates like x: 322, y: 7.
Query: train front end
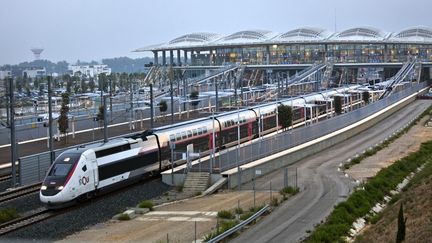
x: 58, y: 186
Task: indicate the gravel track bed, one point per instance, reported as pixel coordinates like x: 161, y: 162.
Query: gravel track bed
x: 90, y: 213
x: 5, y: 185
x: 24, y: 204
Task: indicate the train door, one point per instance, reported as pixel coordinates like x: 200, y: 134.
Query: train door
x: 86, y: 175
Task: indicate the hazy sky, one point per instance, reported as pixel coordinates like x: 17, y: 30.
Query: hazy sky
x: 95, y: 29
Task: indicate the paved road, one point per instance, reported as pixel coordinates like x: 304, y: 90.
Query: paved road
x: 321, y: 185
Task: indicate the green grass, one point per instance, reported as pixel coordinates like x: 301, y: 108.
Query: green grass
x: 225, y: 214
x: 8, y: 214
x: 123, y: 217
x: 387, y: 142
x: 361, y: 201
x: 146, y: 204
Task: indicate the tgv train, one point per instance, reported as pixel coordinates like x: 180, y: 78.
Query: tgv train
x: 83, y: 172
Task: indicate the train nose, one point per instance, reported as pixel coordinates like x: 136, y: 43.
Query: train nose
x: 51, y: 187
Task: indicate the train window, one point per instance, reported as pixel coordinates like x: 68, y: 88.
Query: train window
x: 189, y: 133
x: 113, y: 150
x: 194, y: 132
x: 60, y: 169
x: 172, y: 137
x: 178, y: 136
x: 205, y: 130
x: 184, y: 136
x: 199, y: 131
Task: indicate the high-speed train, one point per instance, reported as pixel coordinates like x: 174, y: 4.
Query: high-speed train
x: 85, y: 171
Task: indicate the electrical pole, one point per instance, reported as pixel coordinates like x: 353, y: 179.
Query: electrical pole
x: 105, y: 120
x: 151, y: 106
x: 172, y: 101
x: 12, y: 131
x: 50, y: 120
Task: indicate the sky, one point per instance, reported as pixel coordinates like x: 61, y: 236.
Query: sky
x: 88, y: 30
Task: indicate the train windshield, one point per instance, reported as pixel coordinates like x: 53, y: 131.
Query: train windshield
x: 63, y: 164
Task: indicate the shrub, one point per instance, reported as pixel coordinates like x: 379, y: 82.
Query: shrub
x: 146, y: 204
x: 8, y: 214
x: 246, y: 215
x: 224, y: 214
x: 238, y: 210
x: 274, y: 202
x: 123, y: 216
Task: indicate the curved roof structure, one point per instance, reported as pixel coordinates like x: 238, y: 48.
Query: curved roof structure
x: 361, y: 33
x: 247, y: 36
x: 199, y: 37
x: 419, y: 33
x: 304, y: 34
x: 299, y: 35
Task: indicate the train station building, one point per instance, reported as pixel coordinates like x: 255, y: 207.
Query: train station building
x: 299, y: 46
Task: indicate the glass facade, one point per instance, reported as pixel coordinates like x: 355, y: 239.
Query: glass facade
x: 295, y: 53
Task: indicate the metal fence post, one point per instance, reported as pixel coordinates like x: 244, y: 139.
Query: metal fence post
x: 286, y: 177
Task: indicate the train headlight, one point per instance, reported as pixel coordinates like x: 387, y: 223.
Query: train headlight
x: 43, y: 188
x: 60, y: 188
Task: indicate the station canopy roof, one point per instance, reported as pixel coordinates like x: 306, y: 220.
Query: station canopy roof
x: 303, y: 34
x: 416, y: 34
x: 361, y: 34
x: 299, y: 35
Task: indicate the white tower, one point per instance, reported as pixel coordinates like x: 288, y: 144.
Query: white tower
x: 37, y: 52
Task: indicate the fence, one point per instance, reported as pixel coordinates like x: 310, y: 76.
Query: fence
x: 33, y: 168
x: 232, y: 158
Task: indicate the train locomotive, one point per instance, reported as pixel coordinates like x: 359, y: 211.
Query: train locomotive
x: 83, y: 172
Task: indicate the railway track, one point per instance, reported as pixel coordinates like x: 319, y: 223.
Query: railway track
x: 20, y: 192
x: 32, y: 217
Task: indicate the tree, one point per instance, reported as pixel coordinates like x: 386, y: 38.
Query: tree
x: 366, y: 97
x: 91, y: 85
x: 83, y: 86
x: 194, y: 96
x: 338, y: 104
x: 103, y: 82
x: 163, y: 107
x: 63, y: 120
x: 285, y: 116
x: 400, y: 236
x: 100, y: 114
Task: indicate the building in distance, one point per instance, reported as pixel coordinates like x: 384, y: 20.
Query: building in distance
x: 89, y: 70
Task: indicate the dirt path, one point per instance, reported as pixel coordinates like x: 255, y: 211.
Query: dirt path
x: 404, y: 145
x: 175, y: 221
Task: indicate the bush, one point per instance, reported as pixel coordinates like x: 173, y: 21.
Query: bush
x: 246, y: 215
x: 146, y: 204
x: 8, y: 214
x: 361, y: 201
x: 238, y: 210
x: 123, y: 216
x: 224, y: 214
x: 274, y: 202
x: 289, y: 190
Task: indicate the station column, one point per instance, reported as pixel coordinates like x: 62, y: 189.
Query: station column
x: 171, y: 57
x: 268, y: 55
x: 164, y: 58
x: 185, y: 57
x: 155, y: 58
x: 178, y: 57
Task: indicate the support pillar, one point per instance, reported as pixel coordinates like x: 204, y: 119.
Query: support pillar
x: 163, y: 58
x: 155, y: 58
x: 171, y: 57
x: 185, y: 57
x: 268, y: 55
x: 178, y: 58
